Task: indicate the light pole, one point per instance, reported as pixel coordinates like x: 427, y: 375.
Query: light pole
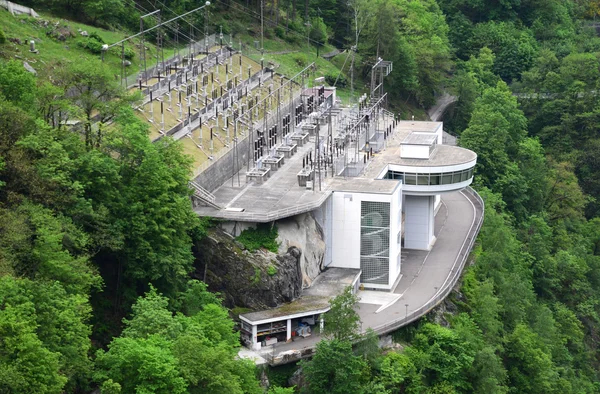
x: 406, y: 305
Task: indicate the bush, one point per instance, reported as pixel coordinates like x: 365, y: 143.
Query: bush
x: 263, y: 236
x: 280, y: 32
x: 128, y: 53
x: 91, y: 44
x: 96, y: 37
x: 342, y: 82
x: 2, y: 37
x: 294, y: 38
x: 300, y: 59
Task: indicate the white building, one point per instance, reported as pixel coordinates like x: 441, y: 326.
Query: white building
x: 393, y: 205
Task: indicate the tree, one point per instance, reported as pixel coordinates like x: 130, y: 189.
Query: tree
x: 495, y: 131
x: 91, y: 88
x: 27, y: 366
x: 177, y: 353
x: 335, y: 369
x: 17, y: 85
x: 318, y: 32
x: 565, y: 199
x: 396, y: 371
x: 143, y: 365
x: 342, y: 321
x: 103, y: 11
x: 45, y: 337
x: 530, y: 366
x: 447, y: 356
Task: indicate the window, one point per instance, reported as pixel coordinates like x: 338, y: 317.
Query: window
x: 423, y: 179
x: 374, y: 242
x: 431, y: 179
x: 446, y: 179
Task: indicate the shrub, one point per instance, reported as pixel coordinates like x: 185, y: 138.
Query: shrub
x: 263, y: 236
x: 300, y: 59
x: 96, y: 37
x: 128, y: 53
x: 280, y: 32
x: 342, y: 82
x: 2, y: 37
x: 91, y: 44
x: 271, y: 270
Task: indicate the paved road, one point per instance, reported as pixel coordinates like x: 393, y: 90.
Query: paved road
x: 425, y: 274
x: 435, y: 113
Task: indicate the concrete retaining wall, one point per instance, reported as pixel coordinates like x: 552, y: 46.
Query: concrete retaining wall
x: 224, y: 167
x: 17, y: 9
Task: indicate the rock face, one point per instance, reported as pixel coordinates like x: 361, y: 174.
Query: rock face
x: 258, y: 280
x: 300, y: 231
x: 304, y: 233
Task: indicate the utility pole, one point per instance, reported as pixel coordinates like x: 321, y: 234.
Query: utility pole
x: 262, y: 34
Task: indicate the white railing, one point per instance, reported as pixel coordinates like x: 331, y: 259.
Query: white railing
x: 203, y: 192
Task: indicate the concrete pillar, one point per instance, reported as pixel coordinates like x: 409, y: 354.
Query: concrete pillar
x: 321, y: 323
x: 418, y: 223
x: 289, y: 329
x: 254, y: 338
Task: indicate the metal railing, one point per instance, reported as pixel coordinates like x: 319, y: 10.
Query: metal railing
x: 274, y: 358
x: 205, y: 193
x: 455, y: 272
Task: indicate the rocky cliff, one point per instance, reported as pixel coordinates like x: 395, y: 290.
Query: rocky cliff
x: 304, y: 233
x: 261, y: 279
x: 256, y: 280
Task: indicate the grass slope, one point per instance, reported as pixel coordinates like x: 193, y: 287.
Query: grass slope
x: 53, y: 52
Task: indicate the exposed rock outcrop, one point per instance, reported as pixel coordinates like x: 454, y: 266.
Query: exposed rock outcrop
x: 303, y: 232
x: 256, y: 280
x: 300, y: 231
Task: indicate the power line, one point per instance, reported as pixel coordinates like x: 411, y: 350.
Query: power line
x: 256, y: 15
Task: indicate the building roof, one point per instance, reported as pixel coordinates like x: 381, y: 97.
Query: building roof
x: 365, y: 185
x: 443, y: 155
x: 406, y: 126
x: 419, y: 139
x: 281, y: 196
x: 314, y: 300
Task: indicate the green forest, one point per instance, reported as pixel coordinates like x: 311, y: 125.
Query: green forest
x: 98, y: 288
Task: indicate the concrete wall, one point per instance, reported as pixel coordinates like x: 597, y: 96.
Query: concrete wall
x: 17, y: 9
x: 224, y: 167
x: 408, y: 151
x: 395, y: 234
x: 418, y: 222
x: 346, y: 230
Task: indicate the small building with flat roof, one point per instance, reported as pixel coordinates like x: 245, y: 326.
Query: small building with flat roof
x: 297, y: 318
